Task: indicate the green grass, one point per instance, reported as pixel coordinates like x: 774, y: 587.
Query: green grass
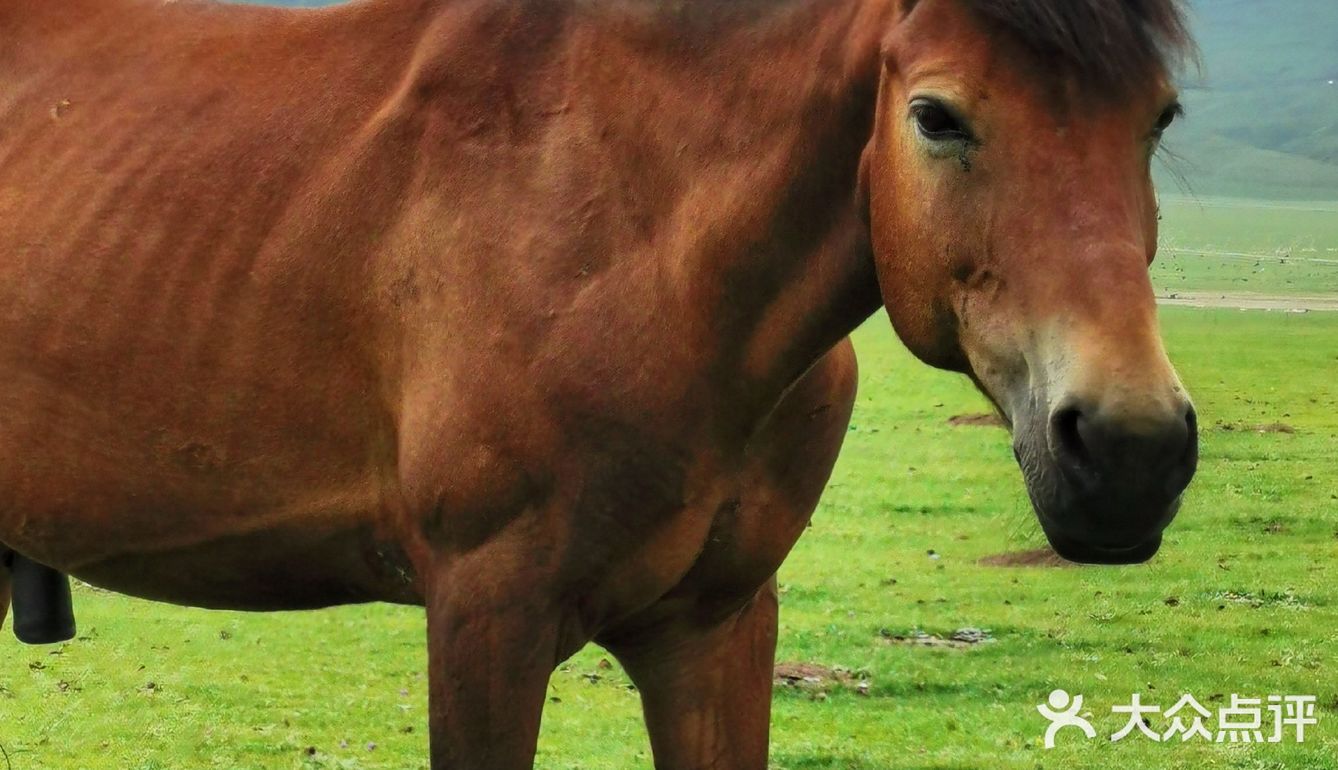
x: 1247, y: 246
x: 317, y: 690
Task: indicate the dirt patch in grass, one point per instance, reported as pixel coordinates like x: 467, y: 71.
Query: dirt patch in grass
x: 1271, y: 427
x: 1040, y: 557
x: 1244, y: 300
x: 961, y: 639
x: 818, y: 680
x: 1257, y: 599
x: 979, y: 420
x: 1271, y: 525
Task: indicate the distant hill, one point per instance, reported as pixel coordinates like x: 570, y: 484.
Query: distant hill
x: 1262, y: 112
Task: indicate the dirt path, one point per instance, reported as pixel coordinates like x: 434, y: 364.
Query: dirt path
x: 1243, y: 300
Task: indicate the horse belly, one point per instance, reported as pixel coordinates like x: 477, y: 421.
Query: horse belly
x: 253, y: 516
x: 127, y: 435
x: 214, y: 523
x: 232, y: 484
x: 292, y: 566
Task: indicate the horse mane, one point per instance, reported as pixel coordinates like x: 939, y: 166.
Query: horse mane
x: 1107, y: 44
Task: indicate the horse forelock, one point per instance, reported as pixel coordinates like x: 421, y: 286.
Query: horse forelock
x: 1107, y: 45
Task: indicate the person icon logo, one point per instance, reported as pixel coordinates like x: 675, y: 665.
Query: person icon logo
x: 1063, y: 712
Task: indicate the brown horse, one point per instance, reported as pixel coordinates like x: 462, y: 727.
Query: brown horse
x: 534, y: 312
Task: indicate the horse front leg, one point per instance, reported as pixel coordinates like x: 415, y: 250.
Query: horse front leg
x: 706, y: 686
x: 703, y: 656
x: 493, y: 642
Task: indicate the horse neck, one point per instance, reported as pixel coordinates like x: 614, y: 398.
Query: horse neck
x: 692, y: 168
x: 765, y: 115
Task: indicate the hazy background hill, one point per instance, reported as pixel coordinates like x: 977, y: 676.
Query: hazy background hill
x: 1263, y: 111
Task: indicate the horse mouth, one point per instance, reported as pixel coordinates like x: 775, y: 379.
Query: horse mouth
x: 1075, y: 550
x: 1093, y: 531
x: 1109, y: 512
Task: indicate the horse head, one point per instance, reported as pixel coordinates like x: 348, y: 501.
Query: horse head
x: 1013, y: 221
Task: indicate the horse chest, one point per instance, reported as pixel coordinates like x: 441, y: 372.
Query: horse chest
x: 619, y: 504
x: 712, y: 539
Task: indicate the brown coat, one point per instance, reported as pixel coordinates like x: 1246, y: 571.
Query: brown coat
x: 532, y: 312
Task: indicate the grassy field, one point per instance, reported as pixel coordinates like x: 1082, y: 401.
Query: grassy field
x: 1242, y: 599
x: 1247, y: 246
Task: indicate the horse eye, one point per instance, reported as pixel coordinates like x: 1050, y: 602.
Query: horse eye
x: 1168, y: 117
x: 936, y: 122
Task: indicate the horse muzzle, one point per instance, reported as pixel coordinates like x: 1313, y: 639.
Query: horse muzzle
x: 1104, y: 482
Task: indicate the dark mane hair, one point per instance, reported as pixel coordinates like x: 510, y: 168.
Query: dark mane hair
x: 1109, y: 44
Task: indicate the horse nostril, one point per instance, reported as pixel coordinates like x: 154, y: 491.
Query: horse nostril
x: 1177, y: 444
x: 1188, y: 460
x: 1067, y: 442
x: 1073, y: 449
